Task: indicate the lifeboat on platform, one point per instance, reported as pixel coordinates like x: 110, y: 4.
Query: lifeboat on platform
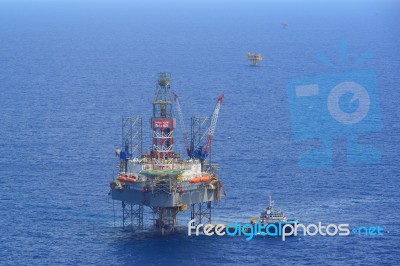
x: 130, y: 180
x: 199, y: 179
x: 126, y: 178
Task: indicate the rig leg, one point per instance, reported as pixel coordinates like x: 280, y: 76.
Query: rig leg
x: 137, y: 216
x: 202, y: 214
x: 132, y: 214
x: 165, y: 219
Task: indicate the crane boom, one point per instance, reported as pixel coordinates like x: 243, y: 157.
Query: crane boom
x: 213, y: 123
x: 182, y: 122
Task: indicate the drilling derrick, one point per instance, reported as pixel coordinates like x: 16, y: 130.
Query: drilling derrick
x: 161, y: 179
x: 163, y: 123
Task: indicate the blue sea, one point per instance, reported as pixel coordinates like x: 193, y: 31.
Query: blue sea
x: 70, y: 70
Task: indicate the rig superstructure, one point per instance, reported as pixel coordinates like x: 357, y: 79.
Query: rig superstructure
x: 162, y: 179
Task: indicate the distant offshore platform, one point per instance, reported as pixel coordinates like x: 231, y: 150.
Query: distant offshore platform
x: 254, y: 59
x: 161, y: 179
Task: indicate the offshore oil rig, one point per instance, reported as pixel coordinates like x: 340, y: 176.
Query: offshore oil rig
x: 161, y: 179
x: 253, y: 58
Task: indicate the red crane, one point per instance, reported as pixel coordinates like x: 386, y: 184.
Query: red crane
x: 201, y: 150
x: 213, y: 124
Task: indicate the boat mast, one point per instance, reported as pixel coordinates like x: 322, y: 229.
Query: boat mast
x: 270, y: 201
